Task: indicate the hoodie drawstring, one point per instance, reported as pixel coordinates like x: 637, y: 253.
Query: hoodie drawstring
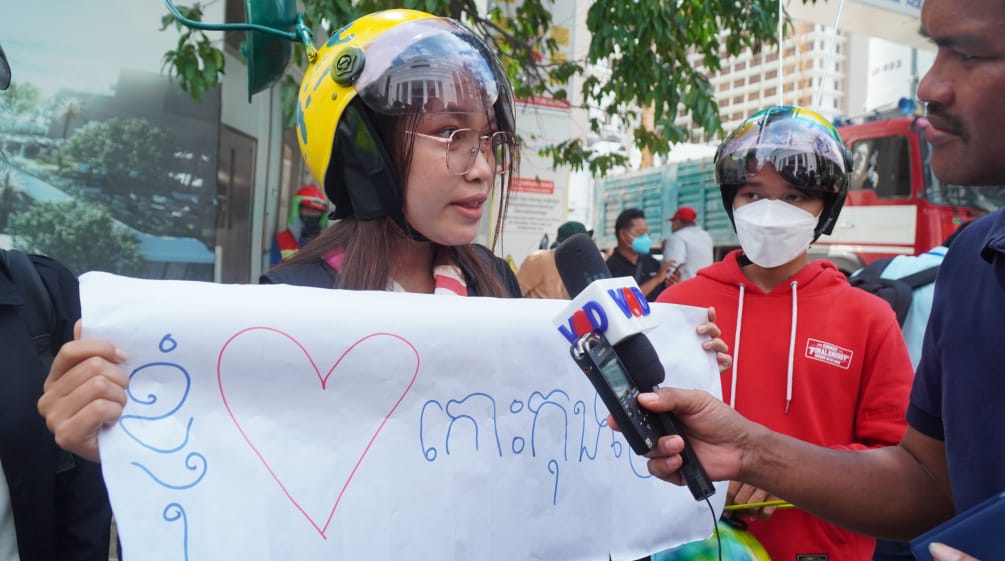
x: 792, y: 346
x: 736, y: 349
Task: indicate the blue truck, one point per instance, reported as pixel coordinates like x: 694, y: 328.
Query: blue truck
x: 658, y: 192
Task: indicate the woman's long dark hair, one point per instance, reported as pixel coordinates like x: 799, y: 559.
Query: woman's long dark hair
x: 367, y: 243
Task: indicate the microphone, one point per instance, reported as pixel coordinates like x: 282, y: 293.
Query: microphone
x: 617, y: 309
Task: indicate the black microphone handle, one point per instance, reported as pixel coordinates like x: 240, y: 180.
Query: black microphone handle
x: 691, y: 469
x: 643, y: 366
x: 579, y: 263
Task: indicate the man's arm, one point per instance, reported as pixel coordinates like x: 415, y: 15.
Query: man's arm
x: 657, y: 280
x: 895, y: 492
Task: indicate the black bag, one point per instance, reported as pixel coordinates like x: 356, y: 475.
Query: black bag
x: 897, y: 292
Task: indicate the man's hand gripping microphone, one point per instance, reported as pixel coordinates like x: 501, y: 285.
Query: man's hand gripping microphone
x: 604, y: 325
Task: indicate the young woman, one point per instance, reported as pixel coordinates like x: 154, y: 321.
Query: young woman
x: 407, y: 120
x: 813, y: 357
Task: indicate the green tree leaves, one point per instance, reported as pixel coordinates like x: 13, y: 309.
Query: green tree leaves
x: 647, y: 55
x: 195, y: 63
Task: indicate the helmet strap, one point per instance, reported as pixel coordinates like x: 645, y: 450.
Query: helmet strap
x: 361, y: 179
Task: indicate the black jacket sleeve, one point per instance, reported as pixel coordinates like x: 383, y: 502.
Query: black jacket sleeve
x: 81, y: 516
x: 499, y: 265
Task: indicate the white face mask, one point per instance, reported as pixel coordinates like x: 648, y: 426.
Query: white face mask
x: 773, y: 232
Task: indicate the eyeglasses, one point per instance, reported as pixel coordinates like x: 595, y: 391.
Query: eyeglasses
x: 463, y: 146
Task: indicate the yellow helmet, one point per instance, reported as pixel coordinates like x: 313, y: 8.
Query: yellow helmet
x: 387, y: 64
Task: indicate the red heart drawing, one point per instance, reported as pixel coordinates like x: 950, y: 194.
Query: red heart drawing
x: 276, y: 350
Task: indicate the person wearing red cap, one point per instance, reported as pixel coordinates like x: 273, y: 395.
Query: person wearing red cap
x: 689, y: 246
x: 308, y: 216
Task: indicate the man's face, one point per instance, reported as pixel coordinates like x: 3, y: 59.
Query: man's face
x: 637, y: 227
x: 963, y: 89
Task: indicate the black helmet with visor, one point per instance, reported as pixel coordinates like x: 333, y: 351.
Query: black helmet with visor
x: 802, y: 146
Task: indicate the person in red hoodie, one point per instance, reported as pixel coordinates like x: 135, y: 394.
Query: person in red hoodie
x: 813, y: 357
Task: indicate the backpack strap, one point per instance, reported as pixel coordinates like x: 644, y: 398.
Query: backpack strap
x: 874, y: 269
x: 921, y: 278
x: 37, y: 310
x: 897, y: 293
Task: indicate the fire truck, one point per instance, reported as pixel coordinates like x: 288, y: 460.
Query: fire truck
x: 895, y: 205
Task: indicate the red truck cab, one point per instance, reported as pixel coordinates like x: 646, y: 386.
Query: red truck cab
x: 895, y: 205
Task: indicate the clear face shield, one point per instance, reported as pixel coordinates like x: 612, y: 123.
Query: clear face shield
x: 434, y: 66
x: 408, y: 73
x: 800, y: 144
x: 437, y: 66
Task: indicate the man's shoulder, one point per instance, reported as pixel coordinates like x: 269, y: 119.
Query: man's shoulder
x: 540, y: 255
x: 695, y: 232
x: 535, y: 262
x: 650, y: 262
x: 60, y: 285
x: 617, y: 263
x: 615, y: 258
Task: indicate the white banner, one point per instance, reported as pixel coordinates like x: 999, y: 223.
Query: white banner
x: 279, y: 422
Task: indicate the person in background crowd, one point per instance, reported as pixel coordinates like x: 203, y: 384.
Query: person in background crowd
x: 53, y: 505
x: 308, y: 216
x: 631, y: 257
x: 949, y: 460
x: 813, y: 357
x: 538, y: 275
x: 688, y: 245
x: 921, y: 298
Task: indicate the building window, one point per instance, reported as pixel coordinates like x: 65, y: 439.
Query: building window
x: 882, y: 165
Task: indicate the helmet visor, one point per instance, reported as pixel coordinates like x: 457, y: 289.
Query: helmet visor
x: 800, y: 144
x: 431, y: 65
